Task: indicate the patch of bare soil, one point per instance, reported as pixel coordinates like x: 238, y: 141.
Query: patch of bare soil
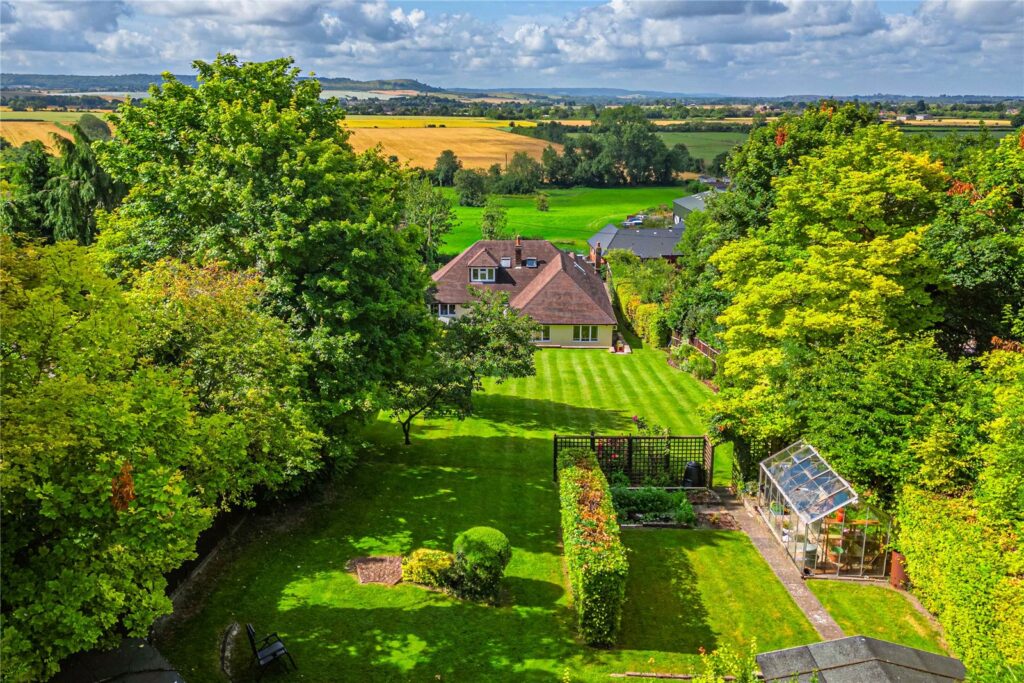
x: 386, y: 569
x: 717, y: 520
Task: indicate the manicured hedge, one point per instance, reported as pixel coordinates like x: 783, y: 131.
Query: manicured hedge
x: 648, y: 321
x: 593, y: 549
x: 968, y: 572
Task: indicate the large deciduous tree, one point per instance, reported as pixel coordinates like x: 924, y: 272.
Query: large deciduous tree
x: 842, y: 252
x: 253, y: 169
x: 96, y: 503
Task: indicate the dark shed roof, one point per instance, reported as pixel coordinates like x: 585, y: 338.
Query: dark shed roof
x: 644, y: 242
x: 693, y: 202
x: 858, y: 659
x: 133, y: 661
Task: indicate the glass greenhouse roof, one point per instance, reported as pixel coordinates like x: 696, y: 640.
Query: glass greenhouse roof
x: 812, y: 488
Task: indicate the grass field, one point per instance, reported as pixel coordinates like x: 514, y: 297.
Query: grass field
x: 878, y: 612
x: 494, y: 468
x: 475, y: 147
x: 574, y: 215
x: 19, y: 132
x: 365, y: 121
x: 705, y: 145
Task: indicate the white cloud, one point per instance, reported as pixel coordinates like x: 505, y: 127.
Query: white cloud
x: 780, y: 46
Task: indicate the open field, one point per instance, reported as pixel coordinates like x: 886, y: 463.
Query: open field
x: 365, y: 121
x: 475, y: 147
x: 19, y: 132
x: 970, y: 123
x: 573, y: 216
x: 53, y: 116
x: 700, y: 588
x: 953, y: 130
x: 705, y: 145
x: 878, y: 612
x: 664, y: 122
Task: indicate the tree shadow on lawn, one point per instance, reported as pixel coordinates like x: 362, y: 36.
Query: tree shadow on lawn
x: 445, y: 639
x: 664, y: 610
x: 506, y: 414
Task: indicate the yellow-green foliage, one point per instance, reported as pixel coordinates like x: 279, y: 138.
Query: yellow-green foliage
x: 647, y: 320
x: 967, y: 570
x: 593, y: 549
x: 428, y: 566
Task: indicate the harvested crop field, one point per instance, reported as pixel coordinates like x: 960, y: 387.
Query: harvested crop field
x: 475, y: 147
x: 368, y: 121
x: 20, y: 132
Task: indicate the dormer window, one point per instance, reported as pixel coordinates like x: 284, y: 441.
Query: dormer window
x: 481, y: 274
x: 506, y: 261
x: 531, y: 262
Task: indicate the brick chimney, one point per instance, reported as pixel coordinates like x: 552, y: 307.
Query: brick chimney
x: 597, y: 256
x: 519, y: 252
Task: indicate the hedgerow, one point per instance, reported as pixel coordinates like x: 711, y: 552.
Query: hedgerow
x: 968, y: 572
x: 593, y: 549
x: 648, y: 321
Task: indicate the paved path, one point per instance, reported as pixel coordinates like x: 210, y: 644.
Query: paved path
x: 783, y: 567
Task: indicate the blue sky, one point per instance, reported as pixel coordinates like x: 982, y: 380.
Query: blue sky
x: 735, y: 47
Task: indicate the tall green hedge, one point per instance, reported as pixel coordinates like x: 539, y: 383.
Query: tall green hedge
x: 648, y: 321
x: 593, y: 549
x: 969, y: 573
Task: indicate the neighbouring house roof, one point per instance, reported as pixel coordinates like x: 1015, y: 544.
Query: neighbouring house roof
x: 484, y: 259
x: 644, y: 242
x: 694, y: 202
x: 561, y: 290
x: 857, y: 659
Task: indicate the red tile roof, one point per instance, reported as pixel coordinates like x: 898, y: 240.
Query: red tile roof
x: 561, y: 290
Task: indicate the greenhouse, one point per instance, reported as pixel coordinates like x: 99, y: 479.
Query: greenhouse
x: 817, y: 516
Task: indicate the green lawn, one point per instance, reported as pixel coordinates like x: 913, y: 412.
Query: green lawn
x: 492, y: 469
x: 574, y: 214
x: 878, y: 612
x: 705, y: 145
x: 692, y: 589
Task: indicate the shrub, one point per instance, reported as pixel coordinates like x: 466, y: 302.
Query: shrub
x: 647, y: 320
x: 593, y: 550
x: 481, y: 555
x: 963, y: 571
x: 649, y: 504
x: 429, y: 567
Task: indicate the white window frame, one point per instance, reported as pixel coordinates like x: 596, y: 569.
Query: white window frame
x: 584, y: 333
x: 531, y: 262
x: 481, y: 274
x: 543, y: 334
x: 444, y: 310
x: 506, y: 261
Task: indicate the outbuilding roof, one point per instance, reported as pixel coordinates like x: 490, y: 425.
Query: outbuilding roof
x: 693, y: 202
x: 858, y: 659
x: 811, y: 487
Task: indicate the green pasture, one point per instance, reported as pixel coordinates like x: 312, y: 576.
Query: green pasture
x: 705, y: 145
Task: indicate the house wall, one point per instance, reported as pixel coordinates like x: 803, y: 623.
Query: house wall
x: 561, y: 336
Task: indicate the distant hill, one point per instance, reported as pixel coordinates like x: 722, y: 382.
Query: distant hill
x: 141, y: 82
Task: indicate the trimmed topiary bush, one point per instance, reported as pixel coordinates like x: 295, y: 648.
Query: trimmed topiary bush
x: 593, y: 549
x: 481, y: 555
x: 429, y: 567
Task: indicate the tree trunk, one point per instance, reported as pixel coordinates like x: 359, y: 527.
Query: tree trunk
x: 406, y: 428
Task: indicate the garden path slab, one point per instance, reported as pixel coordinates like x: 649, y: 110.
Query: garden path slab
x: 788, y: 574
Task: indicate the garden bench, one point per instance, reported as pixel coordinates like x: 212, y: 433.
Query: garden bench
x: 268, y: 650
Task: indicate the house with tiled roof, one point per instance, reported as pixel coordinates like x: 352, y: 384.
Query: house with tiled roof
x: 561, y: 291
